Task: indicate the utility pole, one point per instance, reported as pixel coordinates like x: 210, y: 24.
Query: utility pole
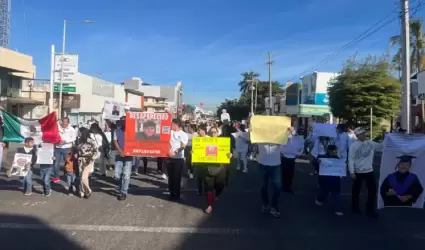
x: 405, y: 65
x: 252, y: 88
x: 270, y: 62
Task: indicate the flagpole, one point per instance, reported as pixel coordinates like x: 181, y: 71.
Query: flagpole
x: 52, y: 80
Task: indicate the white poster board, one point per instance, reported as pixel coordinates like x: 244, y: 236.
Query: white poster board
x: 324, y: 129
x: 113, y: 110
x: 395, y: 145
x: 333, y: 167
x: 295, y: 145
x: 21, y: 164
x: 225, y: 116
x: 45, y: 153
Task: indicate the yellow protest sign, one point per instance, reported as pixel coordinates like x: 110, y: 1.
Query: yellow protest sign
x: 269, y: 129
x: 210, y: 150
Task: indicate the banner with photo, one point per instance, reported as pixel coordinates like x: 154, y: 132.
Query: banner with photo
x: 210, y: 150
x: 147, y: 134
x: 21, y: 164
x: 113, y: 110
x: 402, y: 174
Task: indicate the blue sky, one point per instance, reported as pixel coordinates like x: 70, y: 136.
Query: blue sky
x: 205, y: 44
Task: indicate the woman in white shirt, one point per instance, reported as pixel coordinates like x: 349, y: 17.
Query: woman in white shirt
x: 101, y: 142
x: 188, y: 151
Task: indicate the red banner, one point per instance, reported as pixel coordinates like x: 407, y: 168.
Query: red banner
x: 147, y: 134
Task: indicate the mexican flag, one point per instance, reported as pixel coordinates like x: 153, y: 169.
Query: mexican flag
x: 43, y: 130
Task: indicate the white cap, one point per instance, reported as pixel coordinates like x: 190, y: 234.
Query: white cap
x: 359, y: 130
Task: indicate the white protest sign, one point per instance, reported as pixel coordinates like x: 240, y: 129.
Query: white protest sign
x: 224, y: 117
x: 324, y: 129
x: 21, y: 164
x: 332, y: 167
x: 45, y: 153
x: 398, y: 188
x: 113, y: 110
x: 295, y: 145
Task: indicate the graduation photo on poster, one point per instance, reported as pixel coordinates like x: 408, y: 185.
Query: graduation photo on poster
x: 402, y: 173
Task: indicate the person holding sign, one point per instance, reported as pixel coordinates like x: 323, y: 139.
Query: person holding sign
x: 214, y: 177
x: 28, y: 149
x: 329, y: 184
x: 401, y: 188
x: 360, y: 166
x: 319, y: 149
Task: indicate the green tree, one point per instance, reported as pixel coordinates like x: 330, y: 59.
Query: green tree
x: 362, y: 85
x: 262, y: 92
x: 236, y: 109
x: 417, y: 46
x: 245, y: 84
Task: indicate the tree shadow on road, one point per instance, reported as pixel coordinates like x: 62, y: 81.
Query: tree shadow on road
x: 19, y: 232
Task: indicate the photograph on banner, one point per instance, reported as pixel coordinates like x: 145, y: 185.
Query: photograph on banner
x: 269, y: 129
x: 402, y: 175
x: 324, y: 129
x: 210, y: 150
x: 333, y: 167
x: 113, y: 110
x: 21, y: 164
x: 147, y: 134
x: 45, y: 153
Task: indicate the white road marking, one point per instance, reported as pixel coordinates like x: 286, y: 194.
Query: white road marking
x: 105, y: 228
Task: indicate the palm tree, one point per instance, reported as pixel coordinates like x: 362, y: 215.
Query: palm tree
x: 245, y: 84
x: 417, y: 45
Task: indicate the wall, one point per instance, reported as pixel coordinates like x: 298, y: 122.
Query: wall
x: 17, y: 62
x: 292, y: 94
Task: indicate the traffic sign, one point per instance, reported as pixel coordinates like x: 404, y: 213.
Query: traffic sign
x: 69, y: 89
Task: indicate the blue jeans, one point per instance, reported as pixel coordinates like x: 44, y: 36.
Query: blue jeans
x: 330, y: 185
x: 27, y: 182
x: 271, y: 173
x: 123, y: 173
x: 45, y: 175
x: 71, y: 179
x: 60, y: 155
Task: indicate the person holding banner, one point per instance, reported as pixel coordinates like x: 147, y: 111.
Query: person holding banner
x: 214, y: 177
x: 319, y: 149
x: 175, y: 162
x: 360, y: 166
x: 401, y: 188
x: 330, y: 184
x: 123, y: 163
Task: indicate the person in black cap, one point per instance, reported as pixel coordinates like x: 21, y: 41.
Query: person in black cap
x: 401, y: 188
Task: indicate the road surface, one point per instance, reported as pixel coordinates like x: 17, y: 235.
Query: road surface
x: 147, y: 220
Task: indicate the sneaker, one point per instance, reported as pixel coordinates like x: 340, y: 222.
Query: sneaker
x: 318, y: 203
x: 339, y: 213
x: 135, y: 174
x: 245, y: 170
x: 163, y: 176
x: 122, y: 197
x: 275, y: 213
x: 27, y: 193
x: 48, y: 193
x: 208, y: 210
x: 190, y: 176
x: 238, y: 168
x: 55, y: 179
x: 265, y: 209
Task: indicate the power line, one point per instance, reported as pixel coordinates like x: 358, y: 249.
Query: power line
x: 373, y: 29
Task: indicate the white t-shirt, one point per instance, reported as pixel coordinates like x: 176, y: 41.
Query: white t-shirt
x: 241, y: 140
x: 360, y: 156
x: 268, y: 154
x: 177, y: 139
x: 97, y: 139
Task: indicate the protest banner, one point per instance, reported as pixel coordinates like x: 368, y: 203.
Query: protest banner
x: 45, y: 153
x: 333, y: 167
x: 210, y: 150
x: 269, y: 129
x: 21, y: 164
x: 324, y: 129
x: 113, y: 110
x: 147, y: 134
x: 402, y: 174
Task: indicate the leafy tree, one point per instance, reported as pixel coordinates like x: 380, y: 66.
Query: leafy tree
x: 245, y: 84
x: 236, y: 109
x: 417, y: 46
x: 262, y: 91
x: 364, y: 85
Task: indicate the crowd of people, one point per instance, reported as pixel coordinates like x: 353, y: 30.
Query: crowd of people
x: 81, y: 149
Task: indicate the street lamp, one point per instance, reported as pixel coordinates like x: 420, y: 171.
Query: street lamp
x: 62, y: 59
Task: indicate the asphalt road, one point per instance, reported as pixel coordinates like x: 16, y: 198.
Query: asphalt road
x: 147, y: 220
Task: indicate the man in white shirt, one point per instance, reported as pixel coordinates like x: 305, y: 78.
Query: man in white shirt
x: 360, y: 166
x: 175, y: 162
x: 290, y: 152
x: 268, y: 159
x: 68, y: 135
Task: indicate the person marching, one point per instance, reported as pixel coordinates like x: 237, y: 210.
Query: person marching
x: 242, y: 144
